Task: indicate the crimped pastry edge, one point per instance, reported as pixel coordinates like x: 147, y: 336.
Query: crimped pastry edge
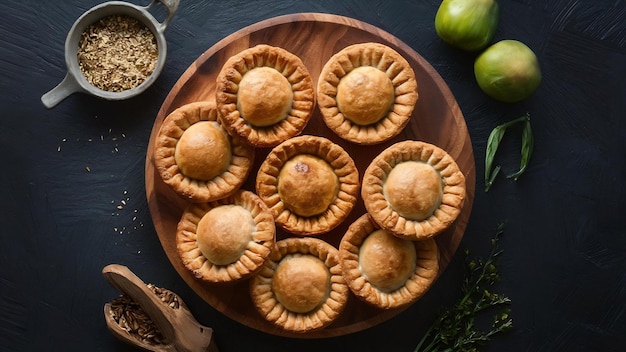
x: 387, y: 60
x: 193, y: 190
x: 256, y: 253
x: 341, y: 162
x: 268, y: 306
x: 292, y: 68
x: 426, y: 269
x: 454, y: 190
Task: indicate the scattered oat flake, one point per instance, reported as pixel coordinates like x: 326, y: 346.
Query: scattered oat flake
x: 88, y: 168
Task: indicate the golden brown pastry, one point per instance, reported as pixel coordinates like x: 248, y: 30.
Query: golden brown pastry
x: 197, y: 158
x: 366, y: 93
x: 384, y: 270
x: 226, y: 240
x: 310, y: 183
x: 265, y: 95
x: 413, y: 189
x: 300, y: 288
x: 307, y: 185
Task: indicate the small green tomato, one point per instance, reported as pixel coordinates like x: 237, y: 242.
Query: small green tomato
x: 508, y: 71
x: 467, y: 24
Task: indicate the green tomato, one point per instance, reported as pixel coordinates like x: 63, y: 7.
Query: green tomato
x: 508, y: 71
x: 467, y: 24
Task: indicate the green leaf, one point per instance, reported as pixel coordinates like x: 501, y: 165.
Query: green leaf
x: 527, y: 149
x: 493, y: 142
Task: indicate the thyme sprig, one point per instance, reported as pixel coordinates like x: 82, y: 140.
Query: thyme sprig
x: 494, y: 142
x: 456, y: 327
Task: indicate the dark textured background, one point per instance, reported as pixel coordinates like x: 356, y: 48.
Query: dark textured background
x: 564, y: 261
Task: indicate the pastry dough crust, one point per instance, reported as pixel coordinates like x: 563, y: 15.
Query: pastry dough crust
x: 301, y: 282
x: 413, y: 200
x: 260, y: 108
x: 288, y: 277
x: 347, y: 176
x: 381, y: 271
x: 227, y: 158
x: 264, y: 97
x: 311, y: 174
x: 350, y: 104
x: 365, y: 95
x: 199, y: 140
x: 386, y: 261
x: 254, y: 246
x: 224, y: 232
x: 406, y: 217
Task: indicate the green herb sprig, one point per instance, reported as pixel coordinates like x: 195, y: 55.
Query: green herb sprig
x: 456, y: 330
x: 494, y: 142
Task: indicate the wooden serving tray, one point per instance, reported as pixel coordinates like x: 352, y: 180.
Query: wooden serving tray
x: 314, y: 37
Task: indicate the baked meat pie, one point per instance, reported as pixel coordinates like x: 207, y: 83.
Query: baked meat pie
x: 265, y: 95
x: 384, y: 270
x: 310, y: 183
x: 413, y: 189
x: 226, y: 240
x: 366, y: 93
x: 197, y: 158
x: 300, y: 288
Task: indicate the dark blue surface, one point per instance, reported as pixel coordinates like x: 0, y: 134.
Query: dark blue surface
x: 564, y: 261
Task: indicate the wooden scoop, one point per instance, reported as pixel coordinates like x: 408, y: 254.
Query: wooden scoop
x: 179, y: 328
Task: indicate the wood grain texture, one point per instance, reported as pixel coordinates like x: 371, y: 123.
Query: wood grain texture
x: 314, y: 38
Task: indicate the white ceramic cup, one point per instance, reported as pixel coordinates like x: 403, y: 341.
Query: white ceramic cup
x: 75, y: 81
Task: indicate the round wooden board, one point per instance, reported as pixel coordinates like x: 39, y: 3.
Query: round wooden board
x: 314, y: 37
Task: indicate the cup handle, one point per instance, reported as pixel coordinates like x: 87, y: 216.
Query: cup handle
x: 68, y: 86
x: 171, y: 6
